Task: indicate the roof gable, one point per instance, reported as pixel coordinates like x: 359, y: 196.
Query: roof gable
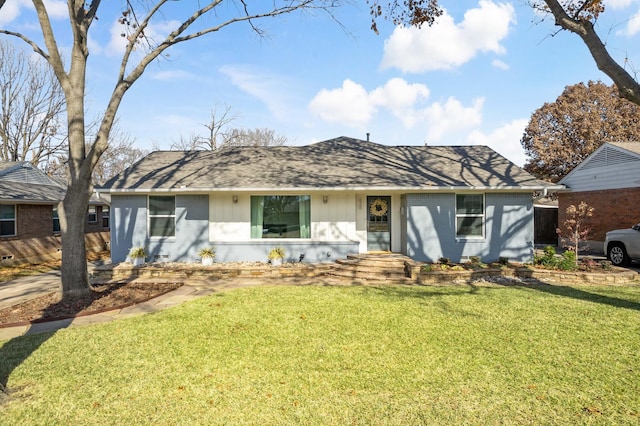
x: 340, y: 163
x: 608, y: 154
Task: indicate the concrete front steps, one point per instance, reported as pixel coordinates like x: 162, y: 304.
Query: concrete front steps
x: 381, y: 267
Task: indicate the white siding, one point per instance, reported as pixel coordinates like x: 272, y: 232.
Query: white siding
x: 334, y: 220
x: 229, y: 221
x: 607, y: 168
x: 342, y: 218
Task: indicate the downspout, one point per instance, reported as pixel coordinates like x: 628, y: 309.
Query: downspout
x: 545, y: 191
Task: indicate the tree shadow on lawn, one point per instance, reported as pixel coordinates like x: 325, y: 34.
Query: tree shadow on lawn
x: 578, y: 293
x: 574, y: 292
x: 16, y: 350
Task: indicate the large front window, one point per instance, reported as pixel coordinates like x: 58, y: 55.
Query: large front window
x: 280, y: 216
x: 469, y: 215
x: 7, y: 220
x: 162, y: 216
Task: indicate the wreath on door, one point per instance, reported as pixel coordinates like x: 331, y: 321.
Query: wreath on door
x: 379, y: 208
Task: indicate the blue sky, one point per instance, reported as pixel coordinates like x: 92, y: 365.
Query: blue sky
x: 475, y: 77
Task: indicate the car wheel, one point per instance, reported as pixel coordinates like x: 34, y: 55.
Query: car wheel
x: 617, y: 254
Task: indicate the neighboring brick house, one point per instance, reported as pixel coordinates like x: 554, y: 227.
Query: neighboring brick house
x: 29, y: 225
x: 609, y: 181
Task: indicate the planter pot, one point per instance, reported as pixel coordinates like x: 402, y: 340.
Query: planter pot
x: 276, y: 262
x: 137, y: 261
x: 207, y: 261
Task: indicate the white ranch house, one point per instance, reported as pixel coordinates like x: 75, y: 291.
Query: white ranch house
x: 324, y: 201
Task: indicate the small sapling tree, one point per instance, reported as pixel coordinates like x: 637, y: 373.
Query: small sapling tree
x: 576, y: 230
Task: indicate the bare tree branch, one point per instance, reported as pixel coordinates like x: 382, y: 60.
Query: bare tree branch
x: 31, y: 109
x: 627, y: 86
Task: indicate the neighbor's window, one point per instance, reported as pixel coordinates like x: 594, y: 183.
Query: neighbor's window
x: 162, y: 216
x: 56, y: 220
x: 469, y: 215
x: 93, y: 216
x: 7, y: 220
x: 280, y: 216
x: 105, y: 216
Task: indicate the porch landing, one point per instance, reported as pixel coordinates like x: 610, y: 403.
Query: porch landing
x: 383, y: 266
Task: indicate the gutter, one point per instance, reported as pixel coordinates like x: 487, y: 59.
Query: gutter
x: 413, y: 189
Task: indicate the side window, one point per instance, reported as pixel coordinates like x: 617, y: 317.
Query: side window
x: 93, y: 215
x: 56, y: 220
x: 105, y: 216
x: 7, y: 220
x: 162, y: 216
x: 470, y: 215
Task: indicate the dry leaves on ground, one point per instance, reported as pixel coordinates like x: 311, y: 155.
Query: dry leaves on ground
x: 103, y: 298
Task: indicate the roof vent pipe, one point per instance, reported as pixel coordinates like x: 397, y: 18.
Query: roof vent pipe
x: 368, y: 136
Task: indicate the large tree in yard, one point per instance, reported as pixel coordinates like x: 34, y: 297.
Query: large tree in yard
x: 68, y: 59
x: 561, y: 134
x: 576, y: 16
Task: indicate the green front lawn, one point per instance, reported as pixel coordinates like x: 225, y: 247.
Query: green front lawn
x: 343, y: 355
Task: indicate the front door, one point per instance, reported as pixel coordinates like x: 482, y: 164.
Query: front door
x: 379, y: 224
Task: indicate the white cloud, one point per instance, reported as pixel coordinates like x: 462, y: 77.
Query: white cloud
x: 155, y: 32
x: 349, y: 105
x: 173, y: 75
x: 269, y: 89
x: 451, y: 117
x: 619, y: 4
x: 400, y: 98
x: 447, y: 45
x: 11, y: 10
x: 57, y: 8
x: 633, y: 26
x: 504, y: 140
x: 497, y: 63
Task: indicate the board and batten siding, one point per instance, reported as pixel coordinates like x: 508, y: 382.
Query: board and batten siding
x: 431, y: 228
x: 609, y: 167
x: 333, y: 229
x: 130, y: 229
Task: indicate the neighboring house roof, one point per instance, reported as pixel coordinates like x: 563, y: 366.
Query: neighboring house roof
x: 341, y: 163
x: 629, y: 146
x: 609, y: 154
x: 21, y: 182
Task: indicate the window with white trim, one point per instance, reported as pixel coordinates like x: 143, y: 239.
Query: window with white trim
x: 162, y: 216
x: 469, y: 215
x: 105, y: 216
x: 7, y: 220
x: 92, y: 214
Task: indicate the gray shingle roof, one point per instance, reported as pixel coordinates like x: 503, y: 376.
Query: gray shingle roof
x: 22, y: 182
x: 333, y: 164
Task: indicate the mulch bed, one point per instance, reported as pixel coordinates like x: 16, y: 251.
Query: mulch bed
x: 105, y: 297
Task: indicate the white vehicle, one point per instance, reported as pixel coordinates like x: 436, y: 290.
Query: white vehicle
x: 622, y: 245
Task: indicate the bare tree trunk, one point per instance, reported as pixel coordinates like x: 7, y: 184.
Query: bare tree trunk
x: 75, y: 277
